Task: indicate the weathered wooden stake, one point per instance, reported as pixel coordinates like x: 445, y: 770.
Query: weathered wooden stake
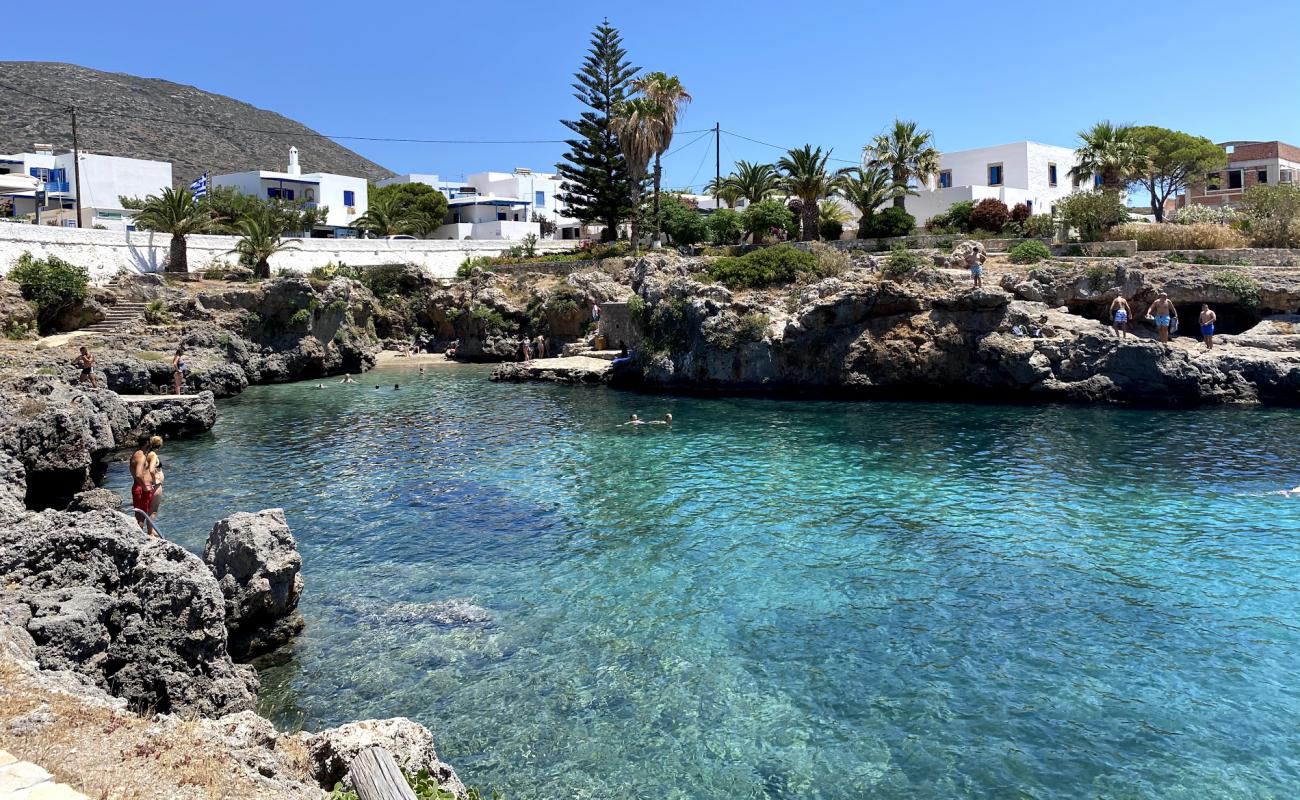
x: 375, y: 776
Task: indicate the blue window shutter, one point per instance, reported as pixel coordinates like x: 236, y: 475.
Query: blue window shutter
x: 288, y: 194
x: 539, y: 199
x: 349, y: 197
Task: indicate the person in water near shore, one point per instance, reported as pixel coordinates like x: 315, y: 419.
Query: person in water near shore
x: 180, y: 371
x: 1207, y: 320
x: 156, y: 487
x: 635, y: 420
x: 1162, y: 310
x: 348, y: 378
x: 667, y: 420
x: 142, y: 465
x: 1119, y: 314
x: 86, y: 361
x: 395, y: 386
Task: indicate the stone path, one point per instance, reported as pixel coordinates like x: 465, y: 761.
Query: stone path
x: 23, y: 780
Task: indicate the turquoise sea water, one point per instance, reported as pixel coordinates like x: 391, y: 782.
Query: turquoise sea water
x: 780, y: 599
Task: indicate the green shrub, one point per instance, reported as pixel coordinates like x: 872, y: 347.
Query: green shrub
x: 1038, y: 226
x: 492, y: 319
x: 901, y: 261
x: 19, y: 330
x: 990, y: 215
x: 1093, y: 213
x: 301, y: 318
x: 564, y: 299
x: 1099, y: 276
x: 764, y: 267
x: 51, y: 285
x: 1195, y: 214
x: 1168, y: 236
x: 155, y: 313
x: 766, y: 216
x: 1273, y: 214
x: 830, y: 260
x: 956, y: 218
x: 1030, y: 251
x: 753, y: 327
x: 1242, y: 285
x: 830, y: 229
x: 890, y: 222
x: 681, y: 221
x: 726, y: 227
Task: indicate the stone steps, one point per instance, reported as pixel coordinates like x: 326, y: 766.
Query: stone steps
x: 117, y: 316
x: 23, y: 780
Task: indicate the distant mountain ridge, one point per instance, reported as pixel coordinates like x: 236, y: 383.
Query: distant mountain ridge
x: 227, y: 143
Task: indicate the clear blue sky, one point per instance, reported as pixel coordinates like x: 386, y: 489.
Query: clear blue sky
x: 833, y: 73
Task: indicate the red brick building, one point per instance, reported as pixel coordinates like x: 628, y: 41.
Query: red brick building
x: 1249, y: 164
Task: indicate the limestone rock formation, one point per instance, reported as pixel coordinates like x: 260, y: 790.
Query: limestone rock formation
x: 256, y: 562
x: 410, y: 744
x: 140, y: 617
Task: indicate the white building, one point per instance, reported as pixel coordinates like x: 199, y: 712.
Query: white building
x: 345, y: 197
x: 501, y: 205
x: 104, y: 180
x: 1023, y: 172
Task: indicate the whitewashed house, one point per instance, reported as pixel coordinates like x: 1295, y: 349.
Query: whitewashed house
x: 344, y: 196
x: 1023, y: 172
x: 500, y: 205
x: 104, y: 180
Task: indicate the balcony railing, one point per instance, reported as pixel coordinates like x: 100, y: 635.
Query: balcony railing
x: 56, y: 186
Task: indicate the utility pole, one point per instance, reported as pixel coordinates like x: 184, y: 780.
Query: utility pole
x: 717, y: 164
x: 76, y: 162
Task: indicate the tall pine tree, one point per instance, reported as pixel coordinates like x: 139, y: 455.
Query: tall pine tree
x: 596, y: 184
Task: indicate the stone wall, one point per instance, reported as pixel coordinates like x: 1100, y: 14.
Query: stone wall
x: 944, y: 241
x: 1117, y: 249
x: 616, y: 325
x: 105, y: 253
x: 545, y: 267
x: 1241, y: 256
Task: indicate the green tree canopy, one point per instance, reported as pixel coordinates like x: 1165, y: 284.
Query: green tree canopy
x: 174, y: 212
x: 1173, y: 161
x: 906, y: 154
x: 763, y: 217
x: 1111, y: 152
x: 424, y: 204
x: 682, y: 221
x: 594, y: 173
x: 1273, y: 214
x: 807, y: 178
x: 726, y: 226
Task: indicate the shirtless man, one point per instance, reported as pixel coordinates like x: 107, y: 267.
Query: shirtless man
x: 1120, y: 314
x: 1207, y: 320
x: 1164, y: 312
x: 975, y: 263
x: 86, y: 362
x: 143, y: 464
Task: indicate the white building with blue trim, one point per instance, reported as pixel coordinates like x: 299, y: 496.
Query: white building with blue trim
x: 500, y: 205
x: 104, y: 180
x: 344, y: 196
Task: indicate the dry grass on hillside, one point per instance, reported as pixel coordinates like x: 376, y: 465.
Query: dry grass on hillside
x: 109, y: 754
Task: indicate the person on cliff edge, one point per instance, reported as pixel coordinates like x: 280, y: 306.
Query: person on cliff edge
x: 143, y: 464
x: 1162, y: 310
x: 85, y: 360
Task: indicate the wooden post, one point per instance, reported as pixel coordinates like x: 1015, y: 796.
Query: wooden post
x: 375, y: 776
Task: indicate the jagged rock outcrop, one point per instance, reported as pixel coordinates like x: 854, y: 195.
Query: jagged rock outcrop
x: 62, y: 433
x: 410, y: 744
x: 139, y: 617
x: 866, y: 335
x: 255, y: 560
x: 17, y: 317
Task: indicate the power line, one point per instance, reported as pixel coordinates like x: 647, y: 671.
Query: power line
x: 779, y: 147
x: 688, y: 144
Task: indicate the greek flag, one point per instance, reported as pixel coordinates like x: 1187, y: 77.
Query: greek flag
x: 199, y: 187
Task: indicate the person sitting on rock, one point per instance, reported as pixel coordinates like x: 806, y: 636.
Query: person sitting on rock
x: 1163, y: 312
x: 1207, y: 320
x: 142, y: 465
x: 1120, y: 313
x: 86, y: 361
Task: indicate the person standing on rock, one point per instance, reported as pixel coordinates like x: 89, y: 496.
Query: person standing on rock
x: 1207, y: 320
x: 143, y: 463
x: 86, y: 361
x: 179, y: 368
x: 541, y: 346
x: 1119, y: 314
x: 975, y: 263
x: 1163, y: 312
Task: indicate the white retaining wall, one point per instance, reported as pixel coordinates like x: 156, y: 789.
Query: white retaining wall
x: 106, y: 253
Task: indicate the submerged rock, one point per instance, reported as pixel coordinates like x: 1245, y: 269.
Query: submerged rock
x: 255, y: 560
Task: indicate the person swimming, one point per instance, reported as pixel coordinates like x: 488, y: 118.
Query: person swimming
x: 635, y: 420
x: 348, y: 378
x: 667, y: 420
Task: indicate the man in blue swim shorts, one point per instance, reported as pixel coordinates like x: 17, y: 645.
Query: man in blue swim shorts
x: 1207, y: 320
x: 1119, y: 312
x: 1163, y: 312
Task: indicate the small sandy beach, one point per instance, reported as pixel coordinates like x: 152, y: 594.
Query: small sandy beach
x: 390, y: 358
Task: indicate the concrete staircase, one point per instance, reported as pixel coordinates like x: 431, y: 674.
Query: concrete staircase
x: 117, y: 316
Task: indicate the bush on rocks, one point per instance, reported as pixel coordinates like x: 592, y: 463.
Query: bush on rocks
x: 890, y: 222
x: 765, y: 267
x: 52, y: 285
x: 1029, y: 252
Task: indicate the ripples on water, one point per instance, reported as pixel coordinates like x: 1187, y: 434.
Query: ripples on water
x: 780, y: 599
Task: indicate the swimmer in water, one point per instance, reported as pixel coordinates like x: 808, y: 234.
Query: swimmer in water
x: 635, y: 420
x: 667, y: 420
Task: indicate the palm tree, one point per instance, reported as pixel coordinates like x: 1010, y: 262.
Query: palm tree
x: 1110, y: 152
x: 387, y: 215
x: 906, y: 153
x: 807, y: 178
x: 724, y: 190
x: 867, y: 189
x: 637, y: 126
x: 258, y: 242
x: 666, y: 94
x: 754, y: 182
x: 174, y: 212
